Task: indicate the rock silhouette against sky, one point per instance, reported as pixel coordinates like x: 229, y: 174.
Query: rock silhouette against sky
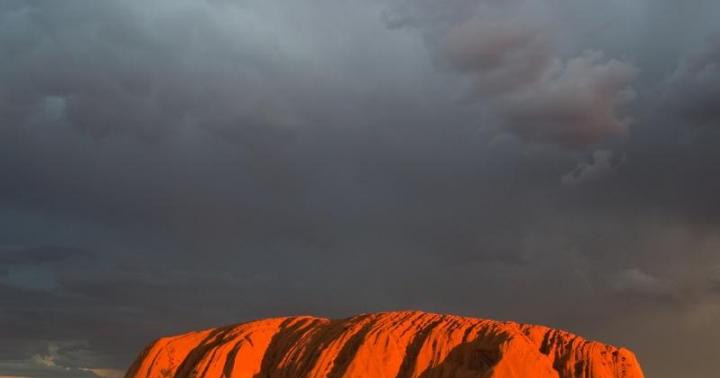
x: 394, y: 344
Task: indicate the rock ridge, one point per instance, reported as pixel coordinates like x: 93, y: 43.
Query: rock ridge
x: 404, y: 344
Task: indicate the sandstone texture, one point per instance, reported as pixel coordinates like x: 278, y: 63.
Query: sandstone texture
x: 379, y: 345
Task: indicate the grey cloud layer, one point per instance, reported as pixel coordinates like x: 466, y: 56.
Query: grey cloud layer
x: 693, y: 89
x: 512, y: 55
x: 190, y: 164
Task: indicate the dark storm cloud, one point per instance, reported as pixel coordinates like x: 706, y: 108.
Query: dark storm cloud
x: 504, y: 56
x: 577, y: 106
x: 692, y: 91
x: 188, y: 164
x: 513, y: 56
x: 602, y: 164
x: 127, y: 69
x: 38, y: 255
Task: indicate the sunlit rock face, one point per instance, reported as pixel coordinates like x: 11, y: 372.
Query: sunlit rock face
x: 392, y: 344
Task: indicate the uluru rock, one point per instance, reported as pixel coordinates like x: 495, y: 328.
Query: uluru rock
x: 392, y: 344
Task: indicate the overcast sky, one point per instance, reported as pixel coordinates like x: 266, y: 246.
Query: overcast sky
x: 175, y: 165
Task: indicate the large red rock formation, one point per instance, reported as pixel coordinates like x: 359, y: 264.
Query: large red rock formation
x: 393, y: 344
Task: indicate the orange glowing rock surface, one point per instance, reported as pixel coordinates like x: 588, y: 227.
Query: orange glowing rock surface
x: 392, y: 344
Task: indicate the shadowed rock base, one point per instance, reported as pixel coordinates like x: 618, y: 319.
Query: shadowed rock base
x: 393, y: 345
